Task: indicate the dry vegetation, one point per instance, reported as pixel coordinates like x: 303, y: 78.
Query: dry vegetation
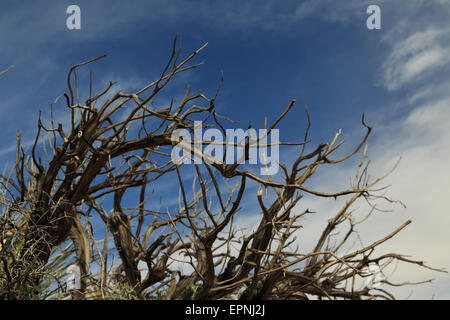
x: 72, y: 175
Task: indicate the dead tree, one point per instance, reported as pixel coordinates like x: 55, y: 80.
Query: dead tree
x: 86, y: 169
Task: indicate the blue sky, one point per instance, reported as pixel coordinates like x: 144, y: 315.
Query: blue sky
x: 317, y: 51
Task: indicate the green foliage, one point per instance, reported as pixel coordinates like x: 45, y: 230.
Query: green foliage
x: 124, y: 292
x: 52, y: 283
x: 52, y: 275
x: 193, y: 289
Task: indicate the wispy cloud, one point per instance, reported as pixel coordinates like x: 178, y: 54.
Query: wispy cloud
x: 415, y: 57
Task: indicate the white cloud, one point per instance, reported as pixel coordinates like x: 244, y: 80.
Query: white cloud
x: 330, y: 10
x: 422, y: 182
x: 415, y: 57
